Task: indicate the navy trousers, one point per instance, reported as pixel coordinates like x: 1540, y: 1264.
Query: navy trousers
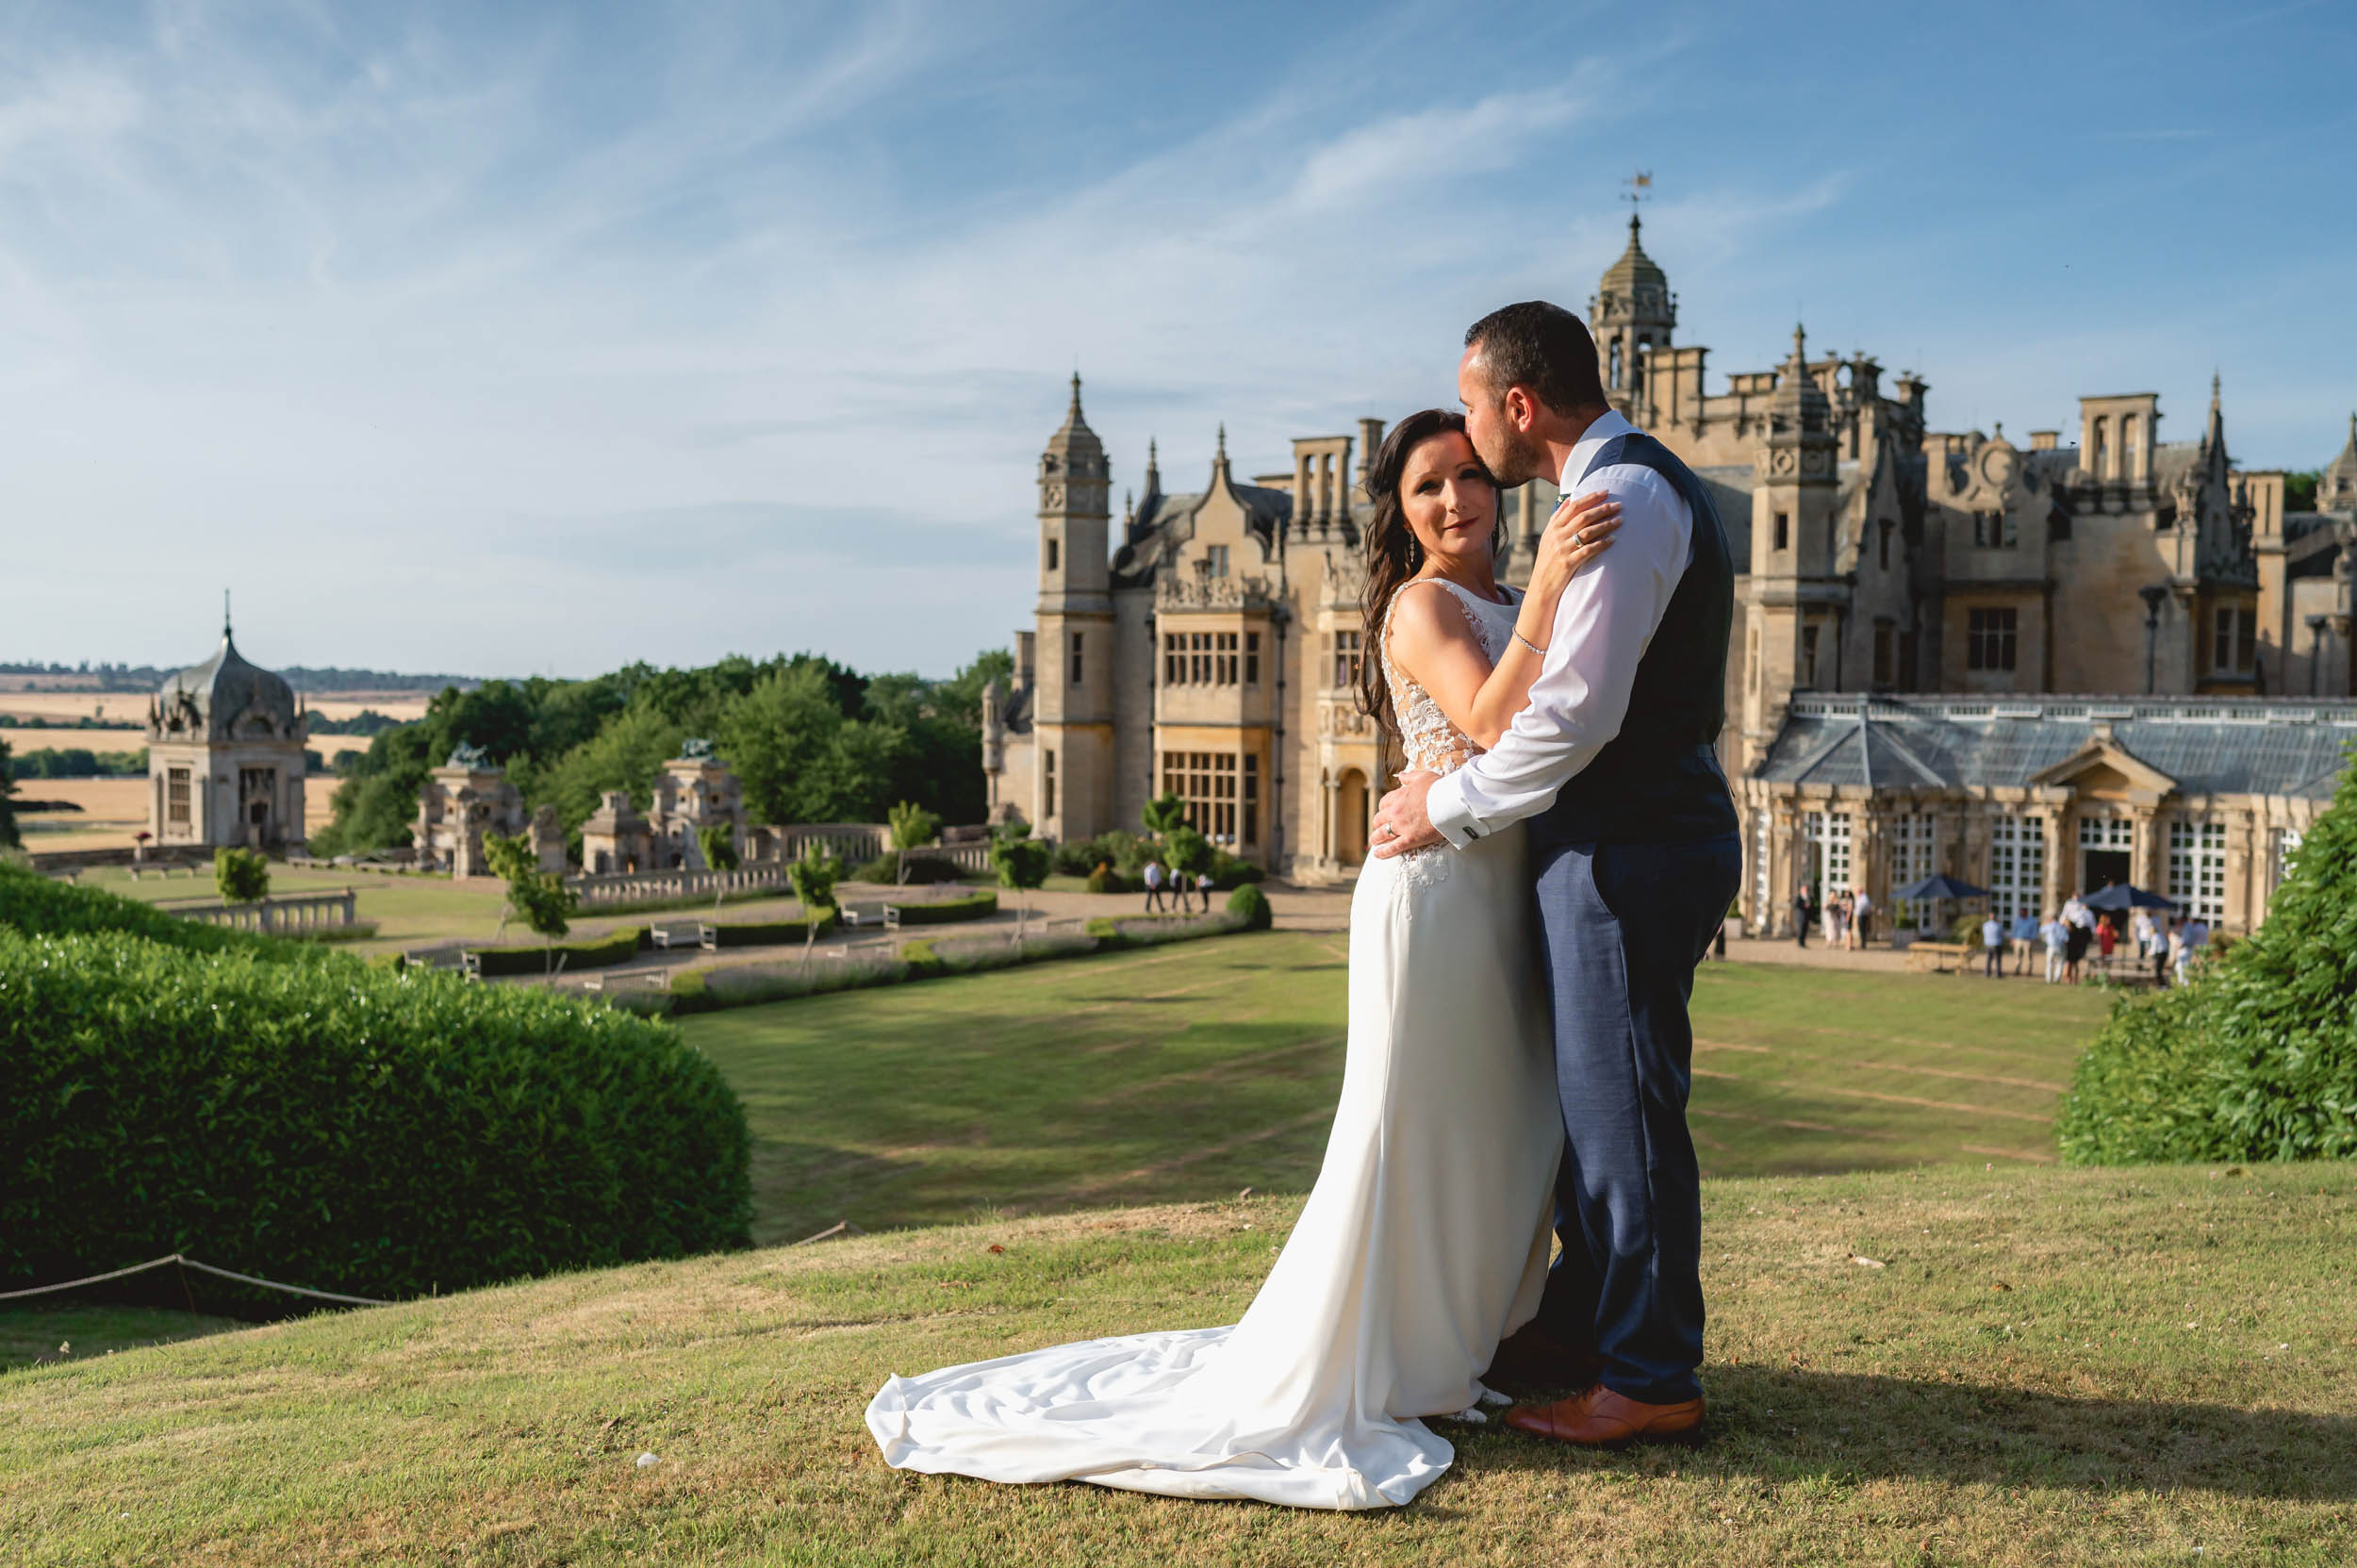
x: 1624, y: 926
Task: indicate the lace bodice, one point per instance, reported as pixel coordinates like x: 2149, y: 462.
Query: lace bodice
x: 1429, y: 740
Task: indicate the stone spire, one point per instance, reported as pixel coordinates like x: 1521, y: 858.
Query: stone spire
x: 1075, y: 486
x: 2336, y: 491
x: 1632, y: 314
x: 1220, y: 476
x: 1799, y: 405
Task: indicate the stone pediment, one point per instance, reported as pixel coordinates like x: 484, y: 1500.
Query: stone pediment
x: 2105, y: 770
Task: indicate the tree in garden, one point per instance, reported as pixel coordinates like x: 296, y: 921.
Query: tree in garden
x: 912, y: 827
x: 720, y: 847
x: 8, y: 838
x: 814, y: 877
x: 540, y: 898
x: 1188, y: 853
x: 1164, y: 815
x: 242, y: 875
x: 2257, y: 1058
x: 1022, y: 862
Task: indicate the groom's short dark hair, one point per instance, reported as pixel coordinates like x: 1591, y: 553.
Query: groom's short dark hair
x: 1543, y: 347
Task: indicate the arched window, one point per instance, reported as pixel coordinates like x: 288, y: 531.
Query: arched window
x: 2099, y: 448
x: 1616, y: 364
x: 2128, y: 445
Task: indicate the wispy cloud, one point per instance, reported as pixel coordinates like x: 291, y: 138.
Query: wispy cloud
x: 521, y: 335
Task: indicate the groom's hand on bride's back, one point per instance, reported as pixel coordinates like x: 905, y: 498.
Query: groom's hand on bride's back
x: 1401, y: 823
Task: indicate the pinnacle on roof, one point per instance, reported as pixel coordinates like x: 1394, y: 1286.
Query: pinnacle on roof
x: 1634, y: 266
x: 1073, y: 434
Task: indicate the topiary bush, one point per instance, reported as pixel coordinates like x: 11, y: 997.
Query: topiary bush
x: 344, y: 1128
x: 2257, y: 1058
x: 1251, y: 905
x: 36, y: 905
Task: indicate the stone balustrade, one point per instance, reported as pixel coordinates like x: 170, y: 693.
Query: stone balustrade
x: 294, y: 914
x: 662, y: 886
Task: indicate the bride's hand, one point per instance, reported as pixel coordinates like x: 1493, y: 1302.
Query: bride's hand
x: 1580, y: 530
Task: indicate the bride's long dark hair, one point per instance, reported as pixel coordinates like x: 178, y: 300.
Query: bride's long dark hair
x: 1393, y: 554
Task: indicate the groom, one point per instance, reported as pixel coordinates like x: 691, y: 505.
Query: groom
x: 1632, y: 836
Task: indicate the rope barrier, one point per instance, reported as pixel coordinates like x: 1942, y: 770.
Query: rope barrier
x: 190, y: 1263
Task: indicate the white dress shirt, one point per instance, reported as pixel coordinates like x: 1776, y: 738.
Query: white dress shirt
x: 1603, y: 626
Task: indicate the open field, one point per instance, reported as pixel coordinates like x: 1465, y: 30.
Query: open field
x: 131, y: 708
x: 2071, y: 1368
x: 114, y: 810
x: 1194, y: 1071
x: 21, y: 741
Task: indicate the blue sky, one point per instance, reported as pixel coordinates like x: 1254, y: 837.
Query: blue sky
x: 516, y: 338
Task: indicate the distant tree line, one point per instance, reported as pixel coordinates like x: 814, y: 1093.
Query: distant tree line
x: 75, y: 762
x: 368, y: 722
x: 811, y: 741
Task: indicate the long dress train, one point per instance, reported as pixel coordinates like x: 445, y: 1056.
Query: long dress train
x: 1424, y: 1243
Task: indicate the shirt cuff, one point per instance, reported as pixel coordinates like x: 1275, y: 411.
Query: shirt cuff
x: 1444, y: 807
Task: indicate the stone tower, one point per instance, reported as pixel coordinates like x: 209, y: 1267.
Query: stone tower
x: 1632, y: 314
x: 1795, y: 594
x: 1073, y: 708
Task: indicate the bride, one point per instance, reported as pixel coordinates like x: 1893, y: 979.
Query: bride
x: 1425, y: 1240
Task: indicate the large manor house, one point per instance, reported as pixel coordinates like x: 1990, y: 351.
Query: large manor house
x: 2038, y: 667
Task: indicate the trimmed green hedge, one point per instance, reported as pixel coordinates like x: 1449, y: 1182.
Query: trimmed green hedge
x: 342, y: 1127
x: 35, y: 904
x: 922, y: 868
x: 766, y: 933
x: 1250, y: 905
x: 970, y: 906
x: 596, y: 953
x: 2257, y: 1058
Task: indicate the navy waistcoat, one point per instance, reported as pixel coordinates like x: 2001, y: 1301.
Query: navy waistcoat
x: 1659, y: 780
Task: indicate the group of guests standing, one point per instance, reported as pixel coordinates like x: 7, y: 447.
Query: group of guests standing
x: 2168, y: 945
x: 1161, y: 878
x: 1847, y: 918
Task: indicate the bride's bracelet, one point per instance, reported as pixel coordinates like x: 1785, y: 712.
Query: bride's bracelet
x: 1528, y: 643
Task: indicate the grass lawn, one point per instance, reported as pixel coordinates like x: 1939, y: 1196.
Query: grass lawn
x: 408, y: 910
x: 1194, y: 1071
x: 2063, y: 1367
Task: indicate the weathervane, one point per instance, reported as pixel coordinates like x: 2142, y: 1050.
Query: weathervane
x: 1639, y: 188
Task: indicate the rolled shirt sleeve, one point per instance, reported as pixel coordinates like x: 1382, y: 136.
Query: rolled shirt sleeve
x: 1603, y: 625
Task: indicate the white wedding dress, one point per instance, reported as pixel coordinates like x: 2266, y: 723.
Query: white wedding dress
x: 1423, y: 1244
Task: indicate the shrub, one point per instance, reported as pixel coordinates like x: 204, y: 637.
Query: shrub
x: 1965, y: 929
x: 1104, y: 879
x: 1227, y: 871
x: 595, y: 953
x: 37, y: 906
x: 344, y: 1127
x: 970, y: 906
x: 241, y: 876
x: 921, y: 869
x: 1252, y: 906
x: 2257, y: 1058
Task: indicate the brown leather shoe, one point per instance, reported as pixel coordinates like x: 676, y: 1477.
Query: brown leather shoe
x: 1528, y: 1362
x: 1602, y: 1419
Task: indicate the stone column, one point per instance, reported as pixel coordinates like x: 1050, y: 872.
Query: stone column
x: 1869, y: 866
x: 2152, y: 848
x: 2056, y: 884
x: 2244, y: 903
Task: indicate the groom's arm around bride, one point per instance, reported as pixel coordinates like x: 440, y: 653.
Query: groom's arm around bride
x: 1632, y: 837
